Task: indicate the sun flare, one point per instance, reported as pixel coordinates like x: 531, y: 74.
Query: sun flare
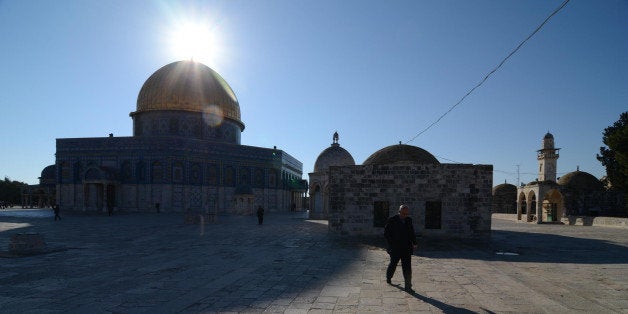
x: 197, y: 41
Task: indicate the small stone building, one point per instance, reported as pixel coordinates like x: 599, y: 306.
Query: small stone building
x: 445, y: 200
x: 319, y: 179
x: 505, y: 199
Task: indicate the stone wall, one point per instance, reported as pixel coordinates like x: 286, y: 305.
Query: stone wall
x: 618, y: 222
x: 596, y: 221
x: 178, y: 173
x: 505, y: 199
x: 463, y: 191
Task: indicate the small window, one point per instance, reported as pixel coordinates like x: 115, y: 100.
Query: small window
x: 212, y: 175
x: 380, y: 213
x: 195, y: 174
x: 157, y: 172
x: 229, y: 176
x: 433, y: 211
x: 126, y: 170
x: 177, y: 172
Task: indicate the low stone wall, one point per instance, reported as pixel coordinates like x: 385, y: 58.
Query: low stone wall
x: 505, y: 216
x: 579, y: 220
x: 596, y: 221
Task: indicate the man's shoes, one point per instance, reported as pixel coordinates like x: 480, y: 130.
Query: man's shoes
x: 408, y: 290
x: 388, y: 281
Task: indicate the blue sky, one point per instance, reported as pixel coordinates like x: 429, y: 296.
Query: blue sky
x: 378, y: 72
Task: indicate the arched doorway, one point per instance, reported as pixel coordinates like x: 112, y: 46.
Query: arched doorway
x: 318, y: 200
x: 99, y: 189
x: 531, y: 208
x: 521, y: 208
x: 552, y: 206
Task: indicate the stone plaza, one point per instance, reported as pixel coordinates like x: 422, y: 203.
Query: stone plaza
x: 158, y: 263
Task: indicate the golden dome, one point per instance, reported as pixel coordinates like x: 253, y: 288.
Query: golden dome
x: 188, y: 86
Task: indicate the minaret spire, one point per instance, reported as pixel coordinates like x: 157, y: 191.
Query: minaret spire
x: 547, y: 157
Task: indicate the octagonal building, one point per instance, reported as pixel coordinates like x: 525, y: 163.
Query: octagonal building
x: 184, y: 155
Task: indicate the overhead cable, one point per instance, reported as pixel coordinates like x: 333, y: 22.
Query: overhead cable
x: 491, y: 72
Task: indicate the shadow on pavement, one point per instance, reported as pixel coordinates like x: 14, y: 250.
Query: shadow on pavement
x: 445, y: 308
x: 142, y: 261
x: 528, y: 247
x: 130, y: 262
x: 516, y: 246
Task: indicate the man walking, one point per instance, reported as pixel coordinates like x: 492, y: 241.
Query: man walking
x: 260, y: 215
x: 401, y: 239
x: 56, y: 210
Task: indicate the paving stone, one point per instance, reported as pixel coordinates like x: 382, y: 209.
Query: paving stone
x: 139, y: 262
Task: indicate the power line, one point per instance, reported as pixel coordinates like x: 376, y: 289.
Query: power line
x: 491, y: 72
x: 518, y: 172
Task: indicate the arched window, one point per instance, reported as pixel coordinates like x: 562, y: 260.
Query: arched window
x: 272, y: 179
x: 177, y: 172
x: 125, y: 171
x: 258, y: 178
x: 140, y: 172
x: 229, y: 176
x: 245, y: 176
x: 212, y: 175
x: 195, y: 174
x: 66, y: 172
x: 157, y: 172
x: 77, y: 170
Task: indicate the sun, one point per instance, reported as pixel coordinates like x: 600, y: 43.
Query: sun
x: 197, y: 41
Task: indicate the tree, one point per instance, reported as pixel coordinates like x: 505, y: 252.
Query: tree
x: 615, y: 157
x: 11, y: 191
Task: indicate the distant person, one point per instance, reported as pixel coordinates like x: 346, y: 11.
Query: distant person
x: 260, y: 215
x: 401, y: 239
x: 56, y: 210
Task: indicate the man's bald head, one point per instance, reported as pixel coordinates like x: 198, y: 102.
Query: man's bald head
x: 404, y: 211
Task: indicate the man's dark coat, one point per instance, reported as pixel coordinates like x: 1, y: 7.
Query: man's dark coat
x: 400, y: 235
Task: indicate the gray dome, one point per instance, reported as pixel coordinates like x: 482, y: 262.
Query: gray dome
x: 401, y: 153
x: 333, y: 156
x: 580, y: 181
x: 48, y: 175
x: 505, y: 189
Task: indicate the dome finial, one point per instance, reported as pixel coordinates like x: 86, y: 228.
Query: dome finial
x: 335, y: 138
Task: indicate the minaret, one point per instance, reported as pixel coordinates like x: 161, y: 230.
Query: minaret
x: 547, y: 156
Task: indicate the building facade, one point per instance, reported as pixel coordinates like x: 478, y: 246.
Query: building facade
x: 185, y: 154
x: 446, y: 200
